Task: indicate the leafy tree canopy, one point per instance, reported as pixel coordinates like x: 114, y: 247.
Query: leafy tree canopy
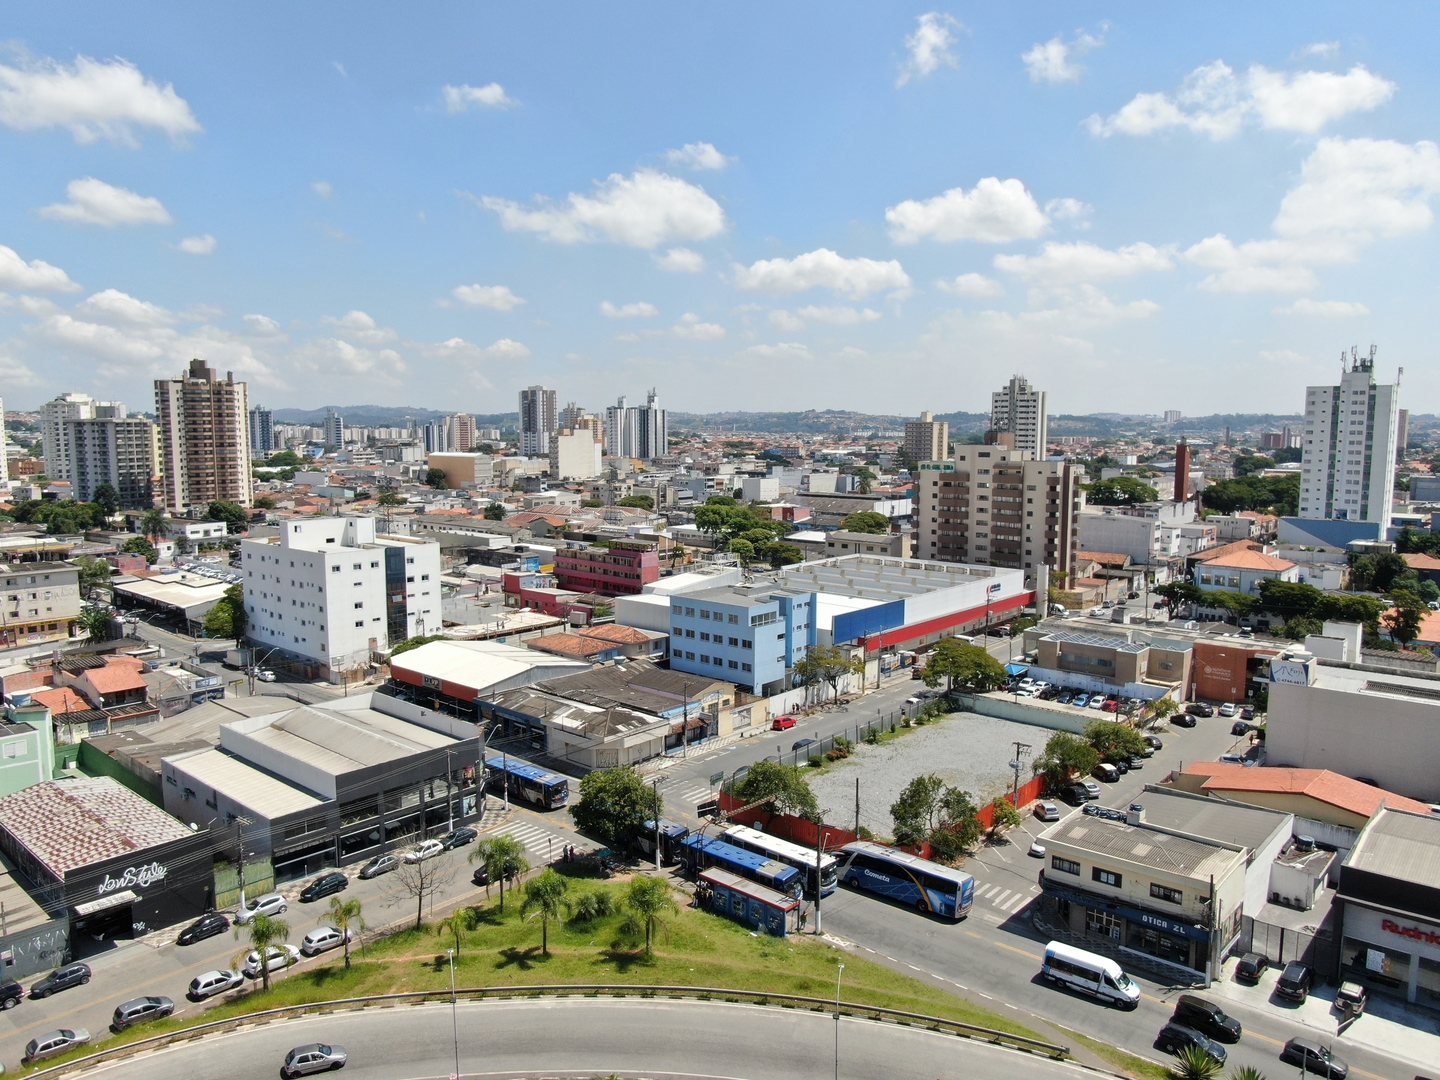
x: 1267, y: 494
x: 414, y: 643
x: 1065, y: 755
x: 786, y: 783
x: 435, y: 478
x: 642, y: 502
x: 928, y: 809
x: 866, y: 521
x: 1250, y: 464
x: 236, y: 517
x: 139, y: 545
x: 1121, y: 491
x: 495, y: 512
x: 614, y: 805
x: 967, y: 668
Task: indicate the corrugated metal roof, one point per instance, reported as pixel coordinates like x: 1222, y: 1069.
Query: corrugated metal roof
x: 1150, y: 848
x: 341, y: 742
x: 1400, y: 845
x: 260, y: 791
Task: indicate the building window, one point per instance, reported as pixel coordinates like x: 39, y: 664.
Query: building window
x: 1065, y: 866
x: 1105, y: 877
x: 704, y: 613
x: 734, y: 618
x: 704, y: 658
x: 704, y: 635
x: 744, y: 667
x: 1164, y: 892
x: 359, y: 622
x: 359, y: 604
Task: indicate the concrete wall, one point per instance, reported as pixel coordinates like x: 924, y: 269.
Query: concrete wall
x: 1030, y: 711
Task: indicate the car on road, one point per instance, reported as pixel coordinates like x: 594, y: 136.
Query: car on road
x: 1091, y: 787
x: 426, y: 850
x: 1247, y: 712
x: 11, y: 993
x: 213, y: 982
x: 312, y: 1058
x: 1097, y: 701
x: 1199, y: 708
x: 208, y: 925
x: 1240, y: 727
x: 277, y: 958
x: 914, y: 700
x: 1295, y: 981
x: 1351, y: 999
x: 264, y: 674
x: 138, y: 1010
x: 324, y: 885
x: 1250, y: 967
x: 380, y: 864
x: 269, y: 904
x: 54, y: 1042
x: 1074, y: 794
x: 784, y: 723
x: 1156, y: 743
x: 1037, y: 850
x: 1228, y: 709
x: 1314, y: 1059
x: 1065, y: 698
x: 323, y: 939
x: 1233, y: 759
x: 1206, y: 1017
x: 1047, y: 811
x: 801, y: 744
x: 62, y: 978
x: 458, y: 838
x: 1176, y: 1037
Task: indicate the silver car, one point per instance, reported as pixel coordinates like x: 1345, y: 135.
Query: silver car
x: 312, y: 1058
x: 214, y: 982
x: 54, y: 1042
x: 277, y: 958
x: 270, y: 904
x: 322, y: 939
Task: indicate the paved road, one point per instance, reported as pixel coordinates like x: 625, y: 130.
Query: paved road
x: 629, y: 1038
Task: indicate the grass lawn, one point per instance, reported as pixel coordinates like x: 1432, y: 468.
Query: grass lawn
x: 1128, y: 1063
x: 694, y: 948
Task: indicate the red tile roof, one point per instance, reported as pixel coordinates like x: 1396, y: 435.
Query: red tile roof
x: 60, y: 700
x: 1251, y: 560
x: 1319, y: 784
x: 624, y: 635
x: 570, y: 645
x: 119, y: 673
x: 1417, y: 561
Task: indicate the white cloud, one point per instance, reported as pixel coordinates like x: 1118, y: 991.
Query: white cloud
x: 627, y: 338
x: 972, y: 285
x: 1254, y: 266
x: 323, y: 188
x: 821, y: 268
x: 930, y: 47
x: 1288, y: 357
x: 995, y: 212
x: 839, y: 316
x: 98, y: 203
x: 261, y: 325
x: 1214, y: 102
x: 1085, y: 306
x: 115, y: 307
x: 1060, y: 265
x: 28, y: 305
x: 692, y: 328
x: 1324, y: 309
x: 463, y: 98
x: 698, y: 156
x: 34, y: 276
x: 1068, y: 210
x: 361, y: 327
x: 639, y: 310
x: 784, y: 351
x: 93, y: 99
x: 1354, y: 190
x: 335, y: 358
x: 506, y: 349
x: 786, y: 321
x: 495, y: 297
x: 14, y: 373
x: 1054, y: 61
x: 643, y: 210
x: 198, y: 245
x: 123, y: 345
x: 1322, y: 49
x: 679, y: 260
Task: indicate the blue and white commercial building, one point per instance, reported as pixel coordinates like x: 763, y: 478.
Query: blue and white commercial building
x: 746, y: 635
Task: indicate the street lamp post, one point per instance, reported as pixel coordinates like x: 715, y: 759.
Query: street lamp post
x: 454, y: 1019
x: 840, y: 974
x: 657, y: 782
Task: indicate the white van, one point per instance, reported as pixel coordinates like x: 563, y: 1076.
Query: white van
x: 1088, y: 973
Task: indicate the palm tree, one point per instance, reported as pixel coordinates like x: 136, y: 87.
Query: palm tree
x: 154, y: 523
x: 346, y: 914
x: 545, y: 894
x: 648, y: 899
x: 263, y: 932
x: 1193, y: 1063
x: 458, y: 922
x: 96, y: 624
x: 1246, y: 1072
x: 502, y: 856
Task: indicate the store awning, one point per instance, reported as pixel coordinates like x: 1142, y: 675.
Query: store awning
x: 105, y: 903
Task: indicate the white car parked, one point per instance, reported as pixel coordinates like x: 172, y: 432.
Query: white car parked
x: 322, y: 939
x: 269, y: 904
x: 277, y: 958
x: 214, y: 982
x: 428, y: 850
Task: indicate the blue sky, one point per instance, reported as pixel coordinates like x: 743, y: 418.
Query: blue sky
x: 750, y: 206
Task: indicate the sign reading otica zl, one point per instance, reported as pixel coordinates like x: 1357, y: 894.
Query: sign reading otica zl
x: 135, y: 875
x: 1293, y: 672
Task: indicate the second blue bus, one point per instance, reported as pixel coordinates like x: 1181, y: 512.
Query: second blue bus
x: 907, y: 879
x: 702, y: 852
x: 534, y: 785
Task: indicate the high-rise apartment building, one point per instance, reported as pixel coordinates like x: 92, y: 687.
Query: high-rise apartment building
x: 1182, y: 472
x: 538, y: 420
x: 334, y: 427
x: 1402, y: 434
x: 570, y: 414
x: 618, y: 440
x: 204, y: 438
x: 262, y: 432
x: 1347, y: 470
x: 997, y: 506
x: 635, y: 431
x: 1020, y: 410
x: 121, y: 453
x: 462, y: 426
x: 927, y: 439
x: 54, y: 414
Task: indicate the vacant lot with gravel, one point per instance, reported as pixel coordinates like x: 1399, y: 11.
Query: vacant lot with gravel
x: 964, y: 749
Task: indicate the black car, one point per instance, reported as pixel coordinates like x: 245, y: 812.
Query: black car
x: 1175, y: 1037
x: 1240, y: 727
x: 1294, y: 982
x: 481, y: 876
x: 1183, y: 719
x: 324, y: 885
x: 11, y: 993
x: 1199, y: 708
x: 1251, y: 966
x: 62, y: 978
x: 1156, y: 743
x: 1074, y: 794
x: 458, y: 838
x: 1206, y: 1017
x: 1122, y: 765
x: 800, y: 744
x: 208, y: 925
x: 1314, y: 1059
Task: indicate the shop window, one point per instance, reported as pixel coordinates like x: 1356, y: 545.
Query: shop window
x: 1164, y: 892
x: 1102, y: 924
x: 1105, y: 877
x: 1065, y: 866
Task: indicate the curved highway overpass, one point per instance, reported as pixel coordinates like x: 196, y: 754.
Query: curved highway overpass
x: 595, y: 1037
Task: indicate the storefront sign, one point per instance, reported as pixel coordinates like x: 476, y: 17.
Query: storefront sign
x: 1292, y: 672
x: 1430, y: 937
x: 141, y: 876
x: 430, y: 681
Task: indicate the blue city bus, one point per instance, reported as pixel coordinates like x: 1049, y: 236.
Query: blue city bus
x: 907, y: 879
x: 797, y: 855
x: 534, y: 785
x: 702, y: 852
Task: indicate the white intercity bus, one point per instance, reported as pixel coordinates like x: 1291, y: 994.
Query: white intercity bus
x: 1089, y: 973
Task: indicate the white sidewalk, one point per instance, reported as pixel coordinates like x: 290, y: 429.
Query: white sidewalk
x: 1388, y: 1026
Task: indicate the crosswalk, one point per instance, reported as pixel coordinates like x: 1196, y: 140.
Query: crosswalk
x: 540, y: 844
x: 688, y: 796
x: 1006, y: 900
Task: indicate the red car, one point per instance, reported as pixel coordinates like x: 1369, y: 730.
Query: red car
x: 781, y: 723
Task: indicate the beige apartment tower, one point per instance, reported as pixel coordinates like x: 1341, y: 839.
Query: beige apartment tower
x: 997, y: 506
x: 204, y: 438
x: 927, y: 439
x: 1020, y: 409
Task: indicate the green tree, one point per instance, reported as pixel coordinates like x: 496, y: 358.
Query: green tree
x: 262, y: 931
x: 648, y: 900
x: 138, y: 545
x: 866, y: 521
x: 94, y: 574
x: 785, y: 786
x: 720, y: 500
x: 1005, y: 815
x: 545, y: 896
x: 348, y: 917
x: 435, y: 478
x: 864, y: 480
x: 589, y: 906
x: 390, y: 498
x: 1112, y: 740
x: 495, y: 512
x: 154, y: 524
x: 1163, y: 707
x: 1065, y: 756
x: 227, y: 618
x: 1300, y: 627
x: 1249, y: 464
x: 1404, y: 620
x: 930, y: 810
x: 641, y: 502
x: 828, y: 664
x: 1121, y: 491
x: 414, y: 643
x: 457, y: 924
x: 235, y: 516
x: 1246, y: 1072
x: 284, y: 459
x: 1020, y: 625
x: 783, y: 555
x: 1388, y: 568
x: 1268, y: 494
x: 106, y: 497
x: 96, y: 624
x: 264, y: 502
x: 503, y: 858
x: 614, y: 805
x: 967, y: 668
x: 1193, y: 1063
x: 743, y: 550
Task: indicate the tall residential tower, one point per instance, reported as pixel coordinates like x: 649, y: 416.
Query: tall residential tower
x: 1020, y: 410
x: 204, y: 438
x: 1347, y: 471
x: 538, y: 420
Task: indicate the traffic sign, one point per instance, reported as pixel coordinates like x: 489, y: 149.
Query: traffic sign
x: 716, y: 779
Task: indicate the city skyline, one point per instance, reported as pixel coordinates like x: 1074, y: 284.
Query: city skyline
x: 453, y: 206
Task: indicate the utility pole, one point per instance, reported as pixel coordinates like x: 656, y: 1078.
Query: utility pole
x: 857, y: 807
x: 819, y: 855
x: 658, y: 781
x: 1022, y: 751
x: 240, y: 823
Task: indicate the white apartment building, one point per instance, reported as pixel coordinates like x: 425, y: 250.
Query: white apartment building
x: 1020, y: 409
x: 54, y: 414
x: 633, y: 431
x: 121, y: 453
x: 330, y: 591
x: 1348, y: 468
x: 575, y: 455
